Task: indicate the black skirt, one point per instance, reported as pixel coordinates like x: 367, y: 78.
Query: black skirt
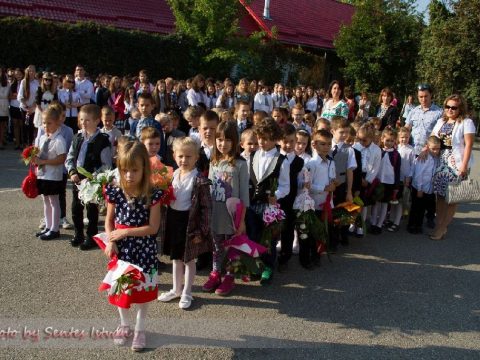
x: 175, y: 234
x: 49, y: 187
x: 15, y: 112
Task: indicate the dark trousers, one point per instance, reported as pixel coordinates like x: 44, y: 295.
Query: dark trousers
x: 77, y: 216
x: 254, y: 224
x: 339, y: 196
x: 308, y: 248
x: 287, y: 236
x: 28, y: 128
x: 63, y: 197
x: 418, y: 208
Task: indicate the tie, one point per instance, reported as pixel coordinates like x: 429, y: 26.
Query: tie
x: 211, y: 102
x: 265, y: 101
x: 70, y: 101
x: 334, y: 152
x: 44, y: 151
x: 241, y: 127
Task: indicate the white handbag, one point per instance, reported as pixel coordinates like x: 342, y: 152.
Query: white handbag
x: 464, y: 191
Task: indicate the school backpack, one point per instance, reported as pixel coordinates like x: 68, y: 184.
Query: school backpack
x: 29, y: 184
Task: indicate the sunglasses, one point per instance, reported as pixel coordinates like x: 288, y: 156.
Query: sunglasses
x: 422, y: 87
x: 47, y: 79
x: 448, y: 107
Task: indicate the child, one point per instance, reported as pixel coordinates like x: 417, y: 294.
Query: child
x: 258, y: 116
x: 227, y: 99
x: 357, y: 173
x: 211, y: 96
x: 322, y: 124
x: 229, y: 175
x: 303, y: 146
x: 345, y: 163
x: 280, y: 115
x: 188, y: 232
x: 309, y: 119
x: 407, y: 156
x: 151, y: 138
x: 389, y: 177
x: 249, y: 143
x: 133, y: 218
x: 192, y: 115
x: 422, y: 189
x: 166, y: 120
x: 297, y: 116
x: 108, y: 119
x: 287, y: 149
x: 90, y: 150
x: 322, y: 182
x: 145, y: 107
x: 242, y: 112
x: 371, y: 158
x: 267, y: 168
x: 263, y: 100
x: 50, y: 171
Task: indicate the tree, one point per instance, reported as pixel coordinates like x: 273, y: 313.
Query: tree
x: 450, y: 50
x: 380, y: 45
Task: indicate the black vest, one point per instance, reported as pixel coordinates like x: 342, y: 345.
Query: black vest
x: 258, y: 190
x: 93, y: 160
x: 295, y: 167
x: 203, y: 163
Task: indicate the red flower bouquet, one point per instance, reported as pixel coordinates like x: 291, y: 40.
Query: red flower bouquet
x: 29, y: 153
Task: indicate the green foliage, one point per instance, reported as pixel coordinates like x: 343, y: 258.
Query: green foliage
x: 380, y: 45
x: 450, y: 50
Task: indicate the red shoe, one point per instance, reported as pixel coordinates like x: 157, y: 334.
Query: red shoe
x: 228, y: 284
x: 214, y: 280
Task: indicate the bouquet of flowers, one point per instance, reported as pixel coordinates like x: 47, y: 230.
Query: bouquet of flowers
x: 90, y: 189
x: 273, y: 218
x: 347, y: 213
x: 308, y: 225
x: 242, y: 254
x: 29, y: 153
x: 161, y: 178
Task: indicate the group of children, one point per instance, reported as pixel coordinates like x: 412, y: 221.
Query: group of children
x: 267, y: 161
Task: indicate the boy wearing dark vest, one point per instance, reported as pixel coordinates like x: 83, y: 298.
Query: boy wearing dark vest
x: 344, y: 157
x: 269, y: 182
x: 90, y: 150
x: 287, y: 149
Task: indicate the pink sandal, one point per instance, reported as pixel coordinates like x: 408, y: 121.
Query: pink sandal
x: 121, y: 335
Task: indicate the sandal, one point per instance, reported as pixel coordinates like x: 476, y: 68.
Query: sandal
x: 139, y: 341
x: 121, y: 335
x: 393, y: 228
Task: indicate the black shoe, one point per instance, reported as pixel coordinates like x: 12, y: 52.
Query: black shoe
x: 345, y: 242
x: 88, y: 244
x: 50, y: 235
x: 282, y: 267
x: 316, y: 262
x: 414, y: 230
x: 76, y: 241
x: 375, y: 230
x: 308, y: 266
x: 431, y: 223
x: 42, y: 232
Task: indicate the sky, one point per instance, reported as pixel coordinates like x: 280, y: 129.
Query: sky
x: 422, y: 5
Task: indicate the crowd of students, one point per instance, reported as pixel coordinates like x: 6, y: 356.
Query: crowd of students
x: 247, y: 142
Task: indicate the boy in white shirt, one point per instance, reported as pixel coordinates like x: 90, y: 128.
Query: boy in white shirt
x: 108, y: 118
x: 422, y: 189
x: 249, y: 143
x: 263, y: 101
x: 298, y: 114
x: 323, y: 182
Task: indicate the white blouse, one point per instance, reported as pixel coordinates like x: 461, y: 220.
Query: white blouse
x: 183, y: 190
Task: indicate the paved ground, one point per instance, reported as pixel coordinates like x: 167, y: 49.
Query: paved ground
x: 390, y: 296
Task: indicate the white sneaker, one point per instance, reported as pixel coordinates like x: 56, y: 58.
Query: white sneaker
x: 185, y: 302
x: 359, y: 232
x: 279, y: 246
x: 85, y: 221
x: 352, y: 228
x: 168, y: 296
x: 41, y: 226
x: 65, y: 224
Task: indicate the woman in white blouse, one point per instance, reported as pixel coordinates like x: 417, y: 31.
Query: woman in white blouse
x: 456, y: 132
x: 335, y: 105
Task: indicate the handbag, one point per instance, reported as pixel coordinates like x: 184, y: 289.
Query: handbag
x: 29, y: 184
x: 463, y: 191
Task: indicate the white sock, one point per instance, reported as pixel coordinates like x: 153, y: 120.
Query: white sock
x: 364, y: 213
x: 383, y: 214
x: 55, y: 206
x: 190, y: 270
x: 123, y: 316
x: 177, y: 273
x: 396, y: 212
x: 375, y: 211
x: 47, y: 212
x: 141, y: 317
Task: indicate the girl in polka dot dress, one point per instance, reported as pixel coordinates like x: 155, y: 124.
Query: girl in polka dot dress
x: 131, y: 224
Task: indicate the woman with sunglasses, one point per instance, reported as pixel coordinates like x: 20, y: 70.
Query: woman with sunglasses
x: 456, y: 132
x: 46, y: 93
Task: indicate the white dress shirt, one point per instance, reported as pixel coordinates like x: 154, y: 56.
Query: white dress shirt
x: 266, y: 157
x: 64, y: 98
x: 407, y: 154
x: 85, y: 89
x: 195, y: 97
x: 422, y: 174
x: 371, y: 157
x: 259, y: 102
x: 386, y: 174
x: 182, y: 188
x: 322, y: 173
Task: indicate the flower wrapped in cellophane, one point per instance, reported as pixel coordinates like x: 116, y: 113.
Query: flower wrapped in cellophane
x: 308, y: 225
x: 29, y: 153
x: 348, y: 213
x: 273, y: 217
x: 90, y: 189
